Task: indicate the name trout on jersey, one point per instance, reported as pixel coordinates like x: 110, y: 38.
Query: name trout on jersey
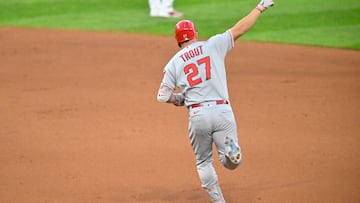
x: 197, y: 51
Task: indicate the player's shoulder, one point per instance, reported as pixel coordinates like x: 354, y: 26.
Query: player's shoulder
x: 225, y: 35
x: 221, y: 39
x: 175, y: 59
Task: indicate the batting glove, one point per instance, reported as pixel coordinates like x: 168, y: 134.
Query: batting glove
x: 264, y: 4
x: 179, y: 99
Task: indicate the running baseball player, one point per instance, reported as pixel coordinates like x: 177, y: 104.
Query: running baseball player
x: 198, y: 72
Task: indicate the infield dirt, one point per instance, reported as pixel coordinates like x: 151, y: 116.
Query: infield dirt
x: 80, y: 122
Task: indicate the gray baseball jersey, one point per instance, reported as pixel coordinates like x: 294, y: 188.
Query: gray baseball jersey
x: 199, y: 70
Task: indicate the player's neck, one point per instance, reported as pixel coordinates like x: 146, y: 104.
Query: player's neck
x: 185, y: 44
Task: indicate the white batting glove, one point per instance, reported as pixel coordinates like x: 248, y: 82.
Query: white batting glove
x: 264, y: 4
x: 179, y: 99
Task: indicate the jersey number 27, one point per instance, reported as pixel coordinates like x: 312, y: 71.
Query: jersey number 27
x: 192, y: 71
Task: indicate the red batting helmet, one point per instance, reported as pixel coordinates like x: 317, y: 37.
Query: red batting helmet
x: 184, y: 31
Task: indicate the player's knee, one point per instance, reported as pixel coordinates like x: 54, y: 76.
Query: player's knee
x: 207, y: 174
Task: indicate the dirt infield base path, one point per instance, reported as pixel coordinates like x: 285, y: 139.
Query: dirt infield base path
x: 80, y: 122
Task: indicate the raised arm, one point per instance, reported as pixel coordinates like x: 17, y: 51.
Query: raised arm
x: 247, y: 22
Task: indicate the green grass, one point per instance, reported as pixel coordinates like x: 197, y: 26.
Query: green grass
x: 331, y: 23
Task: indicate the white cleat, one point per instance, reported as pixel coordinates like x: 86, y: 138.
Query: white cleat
x: 175, y: 14
x: 170, y: 14
x: 232, y: 150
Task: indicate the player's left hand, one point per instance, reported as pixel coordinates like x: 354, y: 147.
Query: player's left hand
x: 179, y: 99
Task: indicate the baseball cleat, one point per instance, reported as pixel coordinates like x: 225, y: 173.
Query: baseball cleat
x: 175, y: 14
x: 232, y: 150
x: 170, y: 14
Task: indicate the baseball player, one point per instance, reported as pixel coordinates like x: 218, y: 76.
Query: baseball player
x: 195, y: 77
x: 163, y: 8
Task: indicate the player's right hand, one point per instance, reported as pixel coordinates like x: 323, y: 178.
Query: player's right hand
x: 264, y: 4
